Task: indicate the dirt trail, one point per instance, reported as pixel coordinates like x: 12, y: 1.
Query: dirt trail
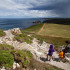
x: 37, y: 49
x: 41, y: 29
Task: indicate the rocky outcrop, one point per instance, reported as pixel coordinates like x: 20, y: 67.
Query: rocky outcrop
x: 37, y: 49
x: 16, y: 31
x: 37, y: 22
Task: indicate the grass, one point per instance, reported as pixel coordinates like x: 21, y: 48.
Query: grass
x: 6, y: 47
x: 22, y: 56
x: 56, y: 30
x: 34, y: 64
x: 2, y: 33
x: 23, y: 38
x: 8, y: 55
x: 56, y: 41
x: 33, y: 29
x: 55, y: 34
x: 50, y: 29
x: 6, y: 59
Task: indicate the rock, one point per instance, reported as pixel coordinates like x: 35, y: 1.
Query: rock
x: 16, y: 30
x: 38, y: 54
x: 3, y: 68
x: 34, y: 69
x: 16, y: 65
x: 28, y: 35
x: 37, y: 22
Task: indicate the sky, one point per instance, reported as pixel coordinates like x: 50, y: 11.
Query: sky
x: 34, y: 8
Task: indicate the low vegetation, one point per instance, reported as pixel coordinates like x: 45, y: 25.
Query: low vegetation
x: 6, y: 47
x: 56, y: 30
x: 55, y: 34
x: 33, y: 29
x: 34, y: 64
x: 8, y: 55
x: 6, y: 59
x: 23, y: 57
x: 56, y: 41
x: 23, y: 38
x: 2, y: 33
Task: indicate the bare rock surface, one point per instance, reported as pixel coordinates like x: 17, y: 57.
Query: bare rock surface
x: 38, y: 50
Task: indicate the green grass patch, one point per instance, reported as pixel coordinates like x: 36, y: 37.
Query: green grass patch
x: 6, y: 59
x: 33, y: 29
x: 6, y: 47
x: 2, y: 33
x: 22, y: 56
x: 23, y: 38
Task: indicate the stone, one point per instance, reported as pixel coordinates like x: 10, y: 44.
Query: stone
x: 18, y: 66
x: 16, y: 30
x: 3, y: 68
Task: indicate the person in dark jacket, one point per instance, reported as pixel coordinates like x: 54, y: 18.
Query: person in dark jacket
x: 65, y: 50
x: 50, y: 52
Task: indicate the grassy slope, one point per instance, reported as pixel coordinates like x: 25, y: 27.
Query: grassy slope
x: 56, y: 30
x: 50, y: 29
x: 33, y: 29
x: 52, y: 33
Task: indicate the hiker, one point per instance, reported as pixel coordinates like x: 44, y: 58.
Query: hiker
x: 61, y: 55
x: 66, y: 48
x: 50, y: 52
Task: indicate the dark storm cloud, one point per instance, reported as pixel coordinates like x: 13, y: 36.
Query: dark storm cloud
x: 62, y: 8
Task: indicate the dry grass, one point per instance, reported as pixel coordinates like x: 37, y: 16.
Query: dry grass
x: 56, y: 30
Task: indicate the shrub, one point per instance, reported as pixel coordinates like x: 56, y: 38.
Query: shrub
x: 6, y: 59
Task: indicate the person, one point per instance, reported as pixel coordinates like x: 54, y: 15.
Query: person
x: 50, y: 52
x: 61, y: 55
x: 65, y: 50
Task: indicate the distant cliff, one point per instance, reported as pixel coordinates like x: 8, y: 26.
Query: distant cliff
x: 57, y: 20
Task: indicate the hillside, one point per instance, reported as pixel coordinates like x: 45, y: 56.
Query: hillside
x: 17, y: 55
x: 51, y: 29
x: 56, y: 34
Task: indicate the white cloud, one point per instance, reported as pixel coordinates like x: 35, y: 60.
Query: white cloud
x: 19, y: 8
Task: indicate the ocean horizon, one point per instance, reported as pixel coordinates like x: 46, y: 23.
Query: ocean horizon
x: 22, y: 23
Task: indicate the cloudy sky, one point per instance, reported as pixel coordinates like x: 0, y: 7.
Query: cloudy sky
x: 34, y: 8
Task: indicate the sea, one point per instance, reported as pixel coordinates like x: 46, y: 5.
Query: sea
x: 22, y: 23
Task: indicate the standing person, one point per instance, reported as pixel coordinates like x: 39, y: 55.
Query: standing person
x: 66, y: 48
x: 50, y: 52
